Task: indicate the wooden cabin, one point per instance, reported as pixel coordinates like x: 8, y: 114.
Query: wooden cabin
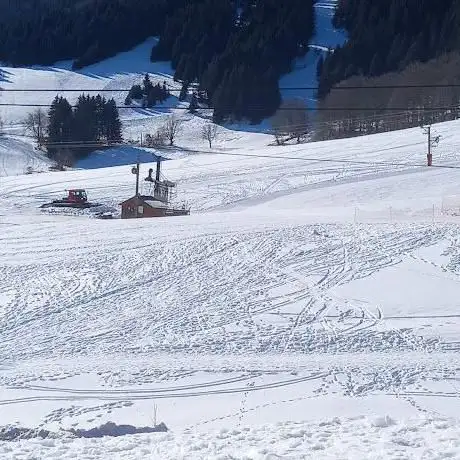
x: 146, y: 206
x: 142, y: 206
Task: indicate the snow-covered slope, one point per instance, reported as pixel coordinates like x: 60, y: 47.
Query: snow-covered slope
x: 18, y: 156
x: 125, y: 69
x: 302, y: 291
x: 307, y: 308
x: 39, y: 85
x: 117, y: 73
x: 111, y: 75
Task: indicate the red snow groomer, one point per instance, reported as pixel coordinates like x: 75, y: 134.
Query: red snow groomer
x: 76, y: 198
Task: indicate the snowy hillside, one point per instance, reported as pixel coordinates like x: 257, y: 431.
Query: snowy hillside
x: 118, y: 73
x: 17, y: 155
x: 307, y: 306
x: 39, y: 85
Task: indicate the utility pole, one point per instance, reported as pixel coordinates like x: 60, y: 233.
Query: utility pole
x: 429, y: 156
x: 39, y: 129
x: 432, y: 142
x: 135, y: 170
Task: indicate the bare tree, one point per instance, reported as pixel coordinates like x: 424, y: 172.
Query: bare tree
x: 171, y: 128
x: 209, y: 133
x: 290, y: 121
x: 35, y: 123
x: 421, y: 93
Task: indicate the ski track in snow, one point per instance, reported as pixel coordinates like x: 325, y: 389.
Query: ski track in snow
x: 234, y: 314
x: 215, y: 290
x: 238, y: 304
x: 268, y: 307
x: 230, y: 294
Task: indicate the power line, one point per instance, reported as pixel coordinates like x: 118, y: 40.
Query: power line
x: 331, y: 160
x: 249, y: 155
x: 259, y: 108
x: 366, y: 118
x: 290, y: 88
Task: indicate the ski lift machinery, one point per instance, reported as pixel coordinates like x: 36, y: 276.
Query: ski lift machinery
x: 156, y: 201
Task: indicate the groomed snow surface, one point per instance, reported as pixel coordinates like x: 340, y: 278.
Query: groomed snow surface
x: 307, y: 308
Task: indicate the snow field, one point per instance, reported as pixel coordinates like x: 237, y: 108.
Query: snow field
x: 307, y: 308
x: 359, y: 437
x: 16, y: 155
x: 268, y: 304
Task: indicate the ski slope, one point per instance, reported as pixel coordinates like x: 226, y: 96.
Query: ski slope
x: 306, y: 306
x: 18, y: 154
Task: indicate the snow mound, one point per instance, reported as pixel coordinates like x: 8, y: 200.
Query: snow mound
x: 383, y: 422
x: 13, y: 433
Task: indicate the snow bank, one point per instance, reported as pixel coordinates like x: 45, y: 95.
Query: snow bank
x: 427, y: 438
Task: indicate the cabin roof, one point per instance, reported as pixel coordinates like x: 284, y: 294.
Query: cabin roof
x: 148, y: 200
x: 154, y: 203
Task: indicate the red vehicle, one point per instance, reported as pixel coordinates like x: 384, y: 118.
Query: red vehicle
x: 77, y: 195
x: 76, y: 198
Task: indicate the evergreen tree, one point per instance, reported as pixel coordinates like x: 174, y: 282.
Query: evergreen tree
x: 85, y: 127
x: 111, y: 122
x: 193, y: 103
x: 183, y: 91
x: 147, y: 85
x: 59, y: 127
x: 136, y: 92
x: 61, y: 119
x: 388, y: 36
x: 99, y: 106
